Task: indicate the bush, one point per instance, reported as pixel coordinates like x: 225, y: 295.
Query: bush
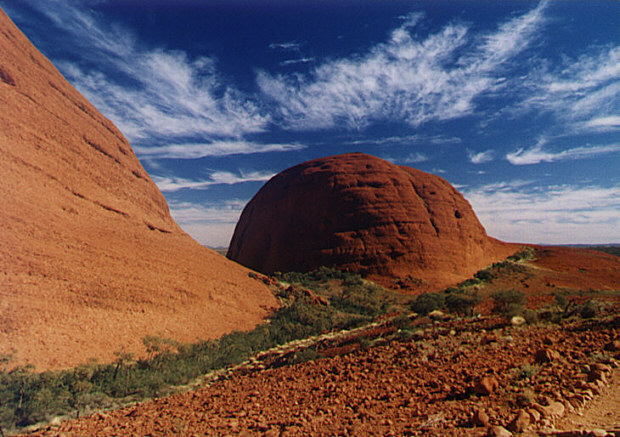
x: 428, y: 302
x: 485, y: 275
x: 509, y: 302
x: 530, y: 316
x: 588, y: 310
x: 462, y: 303
x: 526, y: 254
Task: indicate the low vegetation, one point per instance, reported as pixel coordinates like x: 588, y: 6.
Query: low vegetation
x: 27, y: 397
x: 335, y: 300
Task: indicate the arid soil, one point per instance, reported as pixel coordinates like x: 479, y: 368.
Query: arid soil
x: 90, y: 259
x: 563, y: 270
x: 452, y: 377
x: 367, y: 215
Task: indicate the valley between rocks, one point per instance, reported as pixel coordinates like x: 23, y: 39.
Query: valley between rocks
x: 452, y: 377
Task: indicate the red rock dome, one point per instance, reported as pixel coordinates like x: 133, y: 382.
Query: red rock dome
x: 90, y: 259
x: 367, y: 215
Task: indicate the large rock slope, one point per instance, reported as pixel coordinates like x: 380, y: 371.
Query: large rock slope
x: 90, y: 259
x: 362, y: 213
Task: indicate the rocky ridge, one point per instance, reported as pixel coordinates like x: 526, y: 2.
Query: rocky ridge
x: 90, y: 259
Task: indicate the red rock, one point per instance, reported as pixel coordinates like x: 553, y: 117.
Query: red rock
x: 546, y: 355
x: 520, y: 423
x: 597, y: 375
x: 480, y: 418
x: 498, y: 431
x: 488, y: 338
x: 486, y: 385
x: 613, y: 346
x: 91, y: 259
x: 364, y: 214
x: 598, y: 433
x: 600, y: 367
x: 554, y: 409
x: 534, y: 415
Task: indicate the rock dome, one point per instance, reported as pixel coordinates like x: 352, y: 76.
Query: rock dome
x: 90, y: 259
x: 367, y: 215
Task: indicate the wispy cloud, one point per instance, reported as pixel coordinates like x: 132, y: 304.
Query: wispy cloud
x: 166, y: 95
x: 216, y: 148
x: 173, y: 183
x: 480, y: 157
x: 414, y: 158
x: 583, y: 91
x: 417, y: 139
x: 289, y: 46
x: 404, y: 79
x: 211, y: 224
x: 552, y: 215
x: 296, y: 61
x: 155, y: 96
x: 612, y: 122
x: 536, y: 154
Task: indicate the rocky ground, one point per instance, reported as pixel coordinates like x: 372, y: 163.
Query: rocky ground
x: 461, y: 377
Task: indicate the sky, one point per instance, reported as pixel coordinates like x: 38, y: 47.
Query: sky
x: 515, y: 103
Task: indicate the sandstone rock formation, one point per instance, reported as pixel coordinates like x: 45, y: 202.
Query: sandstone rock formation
x: 90, y: 259
x: 362, y: 213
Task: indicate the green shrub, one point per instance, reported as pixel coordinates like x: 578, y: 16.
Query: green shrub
x: 360, y: 299
x: 526, y: 254
x: 530, y: 316
x: 427, y: 302
x: 468, y: 283
x: 402, y: 322
x: 462, y: 303
x: 588, y: 310
x: 509, y: 302
x: 485, y: 275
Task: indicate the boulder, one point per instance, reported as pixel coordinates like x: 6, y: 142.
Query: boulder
x: 546, y: 355
x: 480, y: 418
x: 520, y: 423
x: 486, y: 385
x: 498, y: 431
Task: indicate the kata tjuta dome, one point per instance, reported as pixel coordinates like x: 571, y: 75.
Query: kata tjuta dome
x: 91, y: 261
x: 367, y: 215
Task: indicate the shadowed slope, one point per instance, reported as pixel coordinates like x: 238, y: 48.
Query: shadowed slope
x: 90, y: 259
x: 362, y: 213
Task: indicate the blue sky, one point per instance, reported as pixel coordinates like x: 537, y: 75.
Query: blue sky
x: 517, y: 104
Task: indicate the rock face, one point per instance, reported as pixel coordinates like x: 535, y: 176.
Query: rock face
x: 362, y: 213
x: 90, y: 259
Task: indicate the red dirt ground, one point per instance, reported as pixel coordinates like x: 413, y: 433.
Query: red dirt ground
x: 423, y: 386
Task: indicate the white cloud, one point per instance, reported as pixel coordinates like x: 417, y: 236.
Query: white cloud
x: 405, y: 79
x: 290, y: 46
x: 296, y: 61
x: 555, y: 215
x: 210, y: 224
x: 604, y: 122
x: 414, y: 158
x: 480, y: 157
x: 536, y: 154
x: 417, y: 139
x: 169, y: 96
x: 154, y: 96
x: 173, y: 183
x: 216, y: 148
x: 584, y: 91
